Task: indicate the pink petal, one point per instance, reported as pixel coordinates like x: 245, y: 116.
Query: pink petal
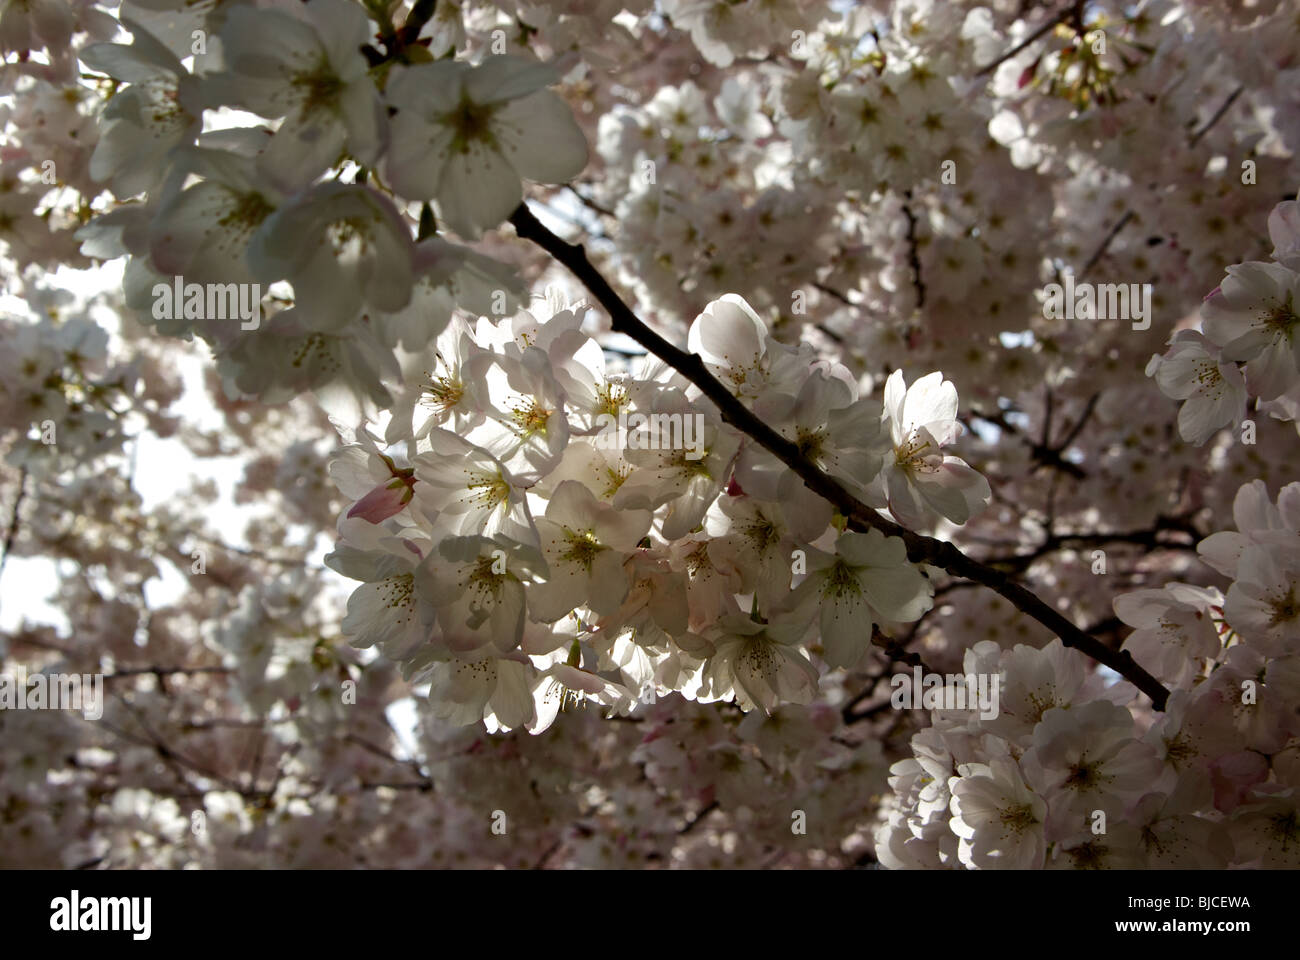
x: 382, y: 502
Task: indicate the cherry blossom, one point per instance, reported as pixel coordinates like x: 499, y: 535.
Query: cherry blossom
x: 309, y: 71
x: 638, y: 392
x: 585, y: 543
x: 159, y: 111
x: 1215, y: 393
x: 868, y: 579
x: 919, y: 479
x: 465, y: 135
x: 998, y: 818
x: 1252, y: 317
x: 342, y: 247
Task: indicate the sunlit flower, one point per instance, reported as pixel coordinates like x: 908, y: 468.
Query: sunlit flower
x: 466, y: 136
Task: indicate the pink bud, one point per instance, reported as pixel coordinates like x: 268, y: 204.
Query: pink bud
x: 1027, y: 75
x: 384, y: 501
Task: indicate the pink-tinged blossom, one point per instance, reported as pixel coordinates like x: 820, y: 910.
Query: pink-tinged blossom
x: 383, y: 501
x: 920, y: 480
x: 161, y: 108
x: 1087, y: 758
x: 999, y: 820
x: 1255, y: 319
x: 1176, y: 630
x: 1213, y: 391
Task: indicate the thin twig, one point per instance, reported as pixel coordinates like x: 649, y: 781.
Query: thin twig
x: 1060, y: 17
x: 12, y: 532
x: 163, y: 671
x: 1218, y: 115
x: 897, y: 650
x: 589, y: 203
x: 1079, y: 424
x: 695, y: 821
x: 1097, y: 254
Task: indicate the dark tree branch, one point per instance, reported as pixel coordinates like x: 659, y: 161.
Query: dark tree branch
x: 378, y: 751
x: 897, y: 650
x: 161, y: 672
x: 1084, y: 417
x: 851, y: 718
x: 832, y: 292
x: 420, y: 14
x: 920, y: 549
x: 589, y: 203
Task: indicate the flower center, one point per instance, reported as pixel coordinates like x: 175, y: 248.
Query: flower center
x: 610, y: 398
x: 484, y: 582
x: 349, y: 235
x: 841, y: 581
x: 809, y: 443
x: 1285, y: 609
x: 697, y: 560
x: 1283, y: 317
x: 692, y: 468
x: 493, y: 490
x: 1286, y: 827
x: 758, y: 655
x: 1083, y: 776
x: 397, y: 595
x: 247, y: 213
x: 443, y: 392
x: 531, y: 418
x: 320, y: 87
x: 911, y: 455
x: 470, y: 123
x: 582, y: 549
x: 1089, y: 856
x: 1019, y: 818
x: 762, y: 533
x: 614, y: 477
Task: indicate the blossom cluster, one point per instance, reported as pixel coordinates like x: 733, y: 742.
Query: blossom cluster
x: 1066, y: 776
x: 557, y: 531
x: 1250, y: 346
x: 333, y: 264
x: 529, y: 515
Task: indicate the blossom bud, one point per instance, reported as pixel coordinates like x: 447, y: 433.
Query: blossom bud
x: 384, y: 501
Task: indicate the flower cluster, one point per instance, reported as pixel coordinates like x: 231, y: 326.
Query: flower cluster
x: 309, y: 204
x: 1250, y: 346
x: 586, y: 533
x: 246, y: 206
x: 1064, y: 776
